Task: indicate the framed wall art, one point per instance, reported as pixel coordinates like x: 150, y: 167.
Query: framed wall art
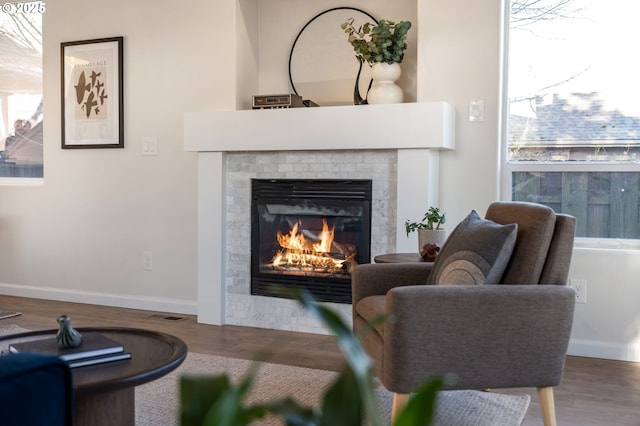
x: 92, y: 94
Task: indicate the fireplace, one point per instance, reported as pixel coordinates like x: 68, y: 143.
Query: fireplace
x: 235, y: 146
x: 309, y: 234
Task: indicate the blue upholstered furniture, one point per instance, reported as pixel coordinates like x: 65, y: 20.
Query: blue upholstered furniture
x: 35, y: 390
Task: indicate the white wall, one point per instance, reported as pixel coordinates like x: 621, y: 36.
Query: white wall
x: 277, y: 36
x: 462, y: 62
x: 81, y: 235
x: 608, y: 325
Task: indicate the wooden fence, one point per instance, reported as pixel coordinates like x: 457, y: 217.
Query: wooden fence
x: 605, y: 204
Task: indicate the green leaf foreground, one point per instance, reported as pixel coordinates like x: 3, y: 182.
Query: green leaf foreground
x: 215, y: 401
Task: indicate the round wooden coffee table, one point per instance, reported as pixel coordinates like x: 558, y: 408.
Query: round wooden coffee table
x: 105, y: 393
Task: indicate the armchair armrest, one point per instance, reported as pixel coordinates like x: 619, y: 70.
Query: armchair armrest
x: 35, y: 390
x: 488, y: 336
x: 373, y: 279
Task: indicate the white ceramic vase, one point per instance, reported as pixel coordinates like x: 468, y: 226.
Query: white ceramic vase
x: 435, y: 236
x: 384, y: 89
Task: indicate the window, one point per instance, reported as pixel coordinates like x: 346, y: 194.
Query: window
x: 20, y: 94
x: 573, y: 121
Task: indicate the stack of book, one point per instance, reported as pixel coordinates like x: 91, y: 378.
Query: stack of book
x: 94, y: 349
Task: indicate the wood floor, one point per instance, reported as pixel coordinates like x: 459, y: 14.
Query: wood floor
x: 593, y: 391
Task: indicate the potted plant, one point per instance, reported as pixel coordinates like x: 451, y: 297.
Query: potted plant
x: 382, y: 46
x: 384, y: 42
x: 429, y: 230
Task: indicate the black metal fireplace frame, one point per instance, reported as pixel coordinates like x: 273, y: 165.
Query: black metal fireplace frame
x: 354, y: 191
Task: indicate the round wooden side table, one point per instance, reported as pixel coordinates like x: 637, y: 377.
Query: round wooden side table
x: 398, y: 258
x: 104, y: 393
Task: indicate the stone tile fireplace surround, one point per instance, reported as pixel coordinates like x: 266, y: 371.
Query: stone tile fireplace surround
x: 397, y: 146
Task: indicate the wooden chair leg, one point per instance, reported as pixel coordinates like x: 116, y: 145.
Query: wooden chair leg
x: 545, y: 395
x: 400, y: 400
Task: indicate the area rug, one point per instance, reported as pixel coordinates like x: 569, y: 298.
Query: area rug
x: 157, y: 402
x: 12, y: 329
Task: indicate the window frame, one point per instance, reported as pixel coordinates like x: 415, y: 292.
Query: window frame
x: 4, y: 108
x: 507, y: 167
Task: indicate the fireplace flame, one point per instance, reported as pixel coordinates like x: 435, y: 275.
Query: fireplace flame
x: 317, y: 254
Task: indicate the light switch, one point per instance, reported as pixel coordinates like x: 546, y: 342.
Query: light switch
x: 149, y: 146
x: 476, y: 110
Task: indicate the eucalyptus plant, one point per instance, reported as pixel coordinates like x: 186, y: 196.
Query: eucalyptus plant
x: 384, y: 42
x: 349, y: 400
x: 432, y: 220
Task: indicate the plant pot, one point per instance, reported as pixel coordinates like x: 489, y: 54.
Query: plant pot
x: 384, y: 89
x: 435, y: 236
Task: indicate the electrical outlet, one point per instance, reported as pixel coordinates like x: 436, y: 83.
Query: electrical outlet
x: 581, y: 290
x: 147, y: 260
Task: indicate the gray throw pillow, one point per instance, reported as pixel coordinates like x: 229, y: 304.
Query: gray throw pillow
x: 476, y: 252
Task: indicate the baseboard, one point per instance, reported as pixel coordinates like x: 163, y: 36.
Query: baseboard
x: 605, y: 350
x: 585, y: 348
x: 105, y: 299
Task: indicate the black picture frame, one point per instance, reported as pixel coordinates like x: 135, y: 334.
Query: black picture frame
x: 92, y: 93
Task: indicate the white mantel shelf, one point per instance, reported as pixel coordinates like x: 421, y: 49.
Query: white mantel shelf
x: 397, y: 126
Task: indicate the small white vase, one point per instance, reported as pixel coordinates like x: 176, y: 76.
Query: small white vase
x: 435, y: 236
x: 384, y: 89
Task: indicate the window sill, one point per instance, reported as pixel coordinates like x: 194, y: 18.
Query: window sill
x: 21, y: 181
x: 617, y: 244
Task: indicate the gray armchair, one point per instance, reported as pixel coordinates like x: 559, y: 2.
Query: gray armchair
x: 486, y: 336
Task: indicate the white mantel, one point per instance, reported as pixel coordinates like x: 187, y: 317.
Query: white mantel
x: 398, y: 126
x: 418, y: 131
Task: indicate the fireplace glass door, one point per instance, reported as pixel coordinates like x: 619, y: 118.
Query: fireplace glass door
x: 309, y: 234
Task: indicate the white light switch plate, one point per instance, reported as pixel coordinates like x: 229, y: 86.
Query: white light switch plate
x: 476, y: 110
x: 149, y: 146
